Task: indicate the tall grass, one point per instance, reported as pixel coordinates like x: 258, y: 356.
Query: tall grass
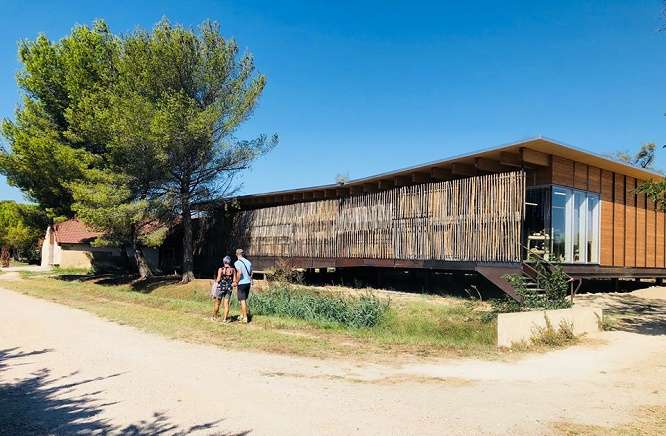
x: 349, y: 311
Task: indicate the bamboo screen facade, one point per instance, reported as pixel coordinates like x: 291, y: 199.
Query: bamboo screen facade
x: 472, y: 219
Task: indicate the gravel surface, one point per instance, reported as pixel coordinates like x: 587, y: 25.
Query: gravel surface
x: 64, y: 371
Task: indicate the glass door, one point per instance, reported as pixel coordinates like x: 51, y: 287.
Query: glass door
x: 592, y: 228
x: 579, y: 226
x: 574, y: 226
x: 561, y: 225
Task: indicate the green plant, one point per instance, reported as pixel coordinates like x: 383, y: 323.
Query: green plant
x: 554, y: 284
x: 364, y: 311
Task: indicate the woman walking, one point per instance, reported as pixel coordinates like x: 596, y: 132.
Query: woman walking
x: 223, y: 288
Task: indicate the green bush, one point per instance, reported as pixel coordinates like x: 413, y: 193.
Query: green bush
x: 554, y: 283
x: 364, y: 311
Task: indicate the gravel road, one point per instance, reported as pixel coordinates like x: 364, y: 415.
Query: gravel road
x: 63, y: 371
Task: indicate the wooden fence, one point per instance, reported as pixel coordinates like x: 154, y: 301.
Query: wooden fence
x: 472, y: 219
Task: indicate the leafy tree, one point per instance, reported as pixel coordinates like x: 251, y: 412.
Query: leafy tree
x: 179, y: 97
x: 153, y: 113
x: 21, y: 228
x: 60, y: 80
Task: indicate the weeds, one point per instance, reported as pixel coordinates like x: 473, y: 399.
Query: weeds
x: 607, y: 323
x: 551, y: 337
x: 284, y: 272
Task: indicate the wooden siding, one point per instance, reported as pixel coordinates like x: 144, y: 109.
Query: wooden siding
x: 606, y: 237
x: 580, y: 176
x: 594, y: 179
x: 650, y: 234
x: 661, y: 255
x: 563, y: 171
x: 640, y: 230
x: 472, y: 219
x: 630, y: 223
x: 632, y: 231
x: 618, y: 221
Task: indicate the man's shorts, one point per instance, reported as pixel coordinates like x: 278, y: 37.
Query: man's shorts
x: 243, y: 291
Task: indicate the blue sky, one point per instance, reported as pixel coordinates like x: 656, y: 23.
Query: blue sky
x: 363, y: 87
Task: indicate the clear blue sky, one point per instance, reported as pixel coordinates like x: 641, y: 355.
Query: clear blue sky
x: 362, y: 87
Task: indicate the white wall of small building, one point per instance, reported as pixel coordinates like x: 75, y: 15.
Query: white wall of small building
x: 82, y: 255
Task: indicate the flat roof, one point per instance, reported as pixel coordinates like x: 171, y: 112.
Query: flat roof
x: 539, y: 144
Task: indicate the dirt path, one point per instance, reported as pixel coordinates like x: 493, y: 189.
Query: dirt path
x: 64, y: 370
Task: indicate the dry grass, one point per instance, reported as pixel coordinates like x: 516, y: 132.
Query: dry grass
x: 650, y: 421
x: 412, y: 327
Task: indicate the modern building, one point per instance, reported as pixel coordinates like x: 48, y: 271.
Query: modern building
x: 489, y: 211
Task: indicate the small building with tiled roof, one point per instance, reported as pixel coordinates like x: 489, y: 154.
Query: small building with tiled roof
x: 69, y: 245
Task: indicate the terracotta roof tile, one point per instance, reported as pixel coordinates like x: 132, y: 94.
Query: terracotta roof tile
x: 73, y: 232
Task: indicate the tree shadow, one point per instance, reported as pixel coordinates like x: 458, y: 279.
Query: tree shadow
x: 633, y: 314
x: 43, y: 404
x: 144, y: 286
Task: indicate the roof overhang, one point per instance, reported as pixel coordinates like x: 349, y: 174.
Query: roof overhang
x: 525, y: 153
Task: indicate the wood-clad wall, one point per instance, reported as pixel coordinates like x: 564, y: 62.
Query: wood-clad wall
x: 471, y: 219
x: 630, y: 222
x: 618, y: 221
x: 606, y: 225
x: 632, y: 231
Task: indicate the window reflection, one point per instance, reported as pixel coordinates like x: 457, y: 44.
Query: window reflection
x: 562, y: 224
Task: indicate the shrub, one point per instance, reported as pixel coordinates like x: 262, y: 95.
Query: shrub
x: 549, y: 336
x: 364, y: 311
x: 554, y: 283
x: 283, y: 272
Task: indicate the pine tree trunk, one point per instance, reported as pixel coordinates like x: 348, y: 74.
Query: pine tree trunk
x: 188, y: 249
x: 4, y: 256
x: 142, y: 265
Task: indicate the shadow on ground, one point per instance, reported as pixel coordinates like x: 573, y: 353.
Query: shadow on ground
x: 43, y: 404
x: 633, y: 314
x: 143, y: 286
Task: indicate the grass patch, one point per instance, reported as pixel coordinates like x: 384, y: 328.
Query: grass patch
x: 351, y: 311
x: 297, y: 320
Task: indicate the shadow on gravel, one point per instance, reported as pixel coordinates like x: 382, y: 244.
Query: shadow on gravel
x: 43, y: 404
x: 633, y: 314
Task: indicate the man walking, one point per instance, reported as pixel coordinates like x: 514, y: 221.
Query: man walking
x: 243, y: 281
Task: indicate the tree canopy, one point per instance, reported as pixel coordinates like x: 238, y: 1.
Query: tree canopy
x: 21, y: 228
x: 643, y: 158
x: 126, y: 130
x: 60, y: 81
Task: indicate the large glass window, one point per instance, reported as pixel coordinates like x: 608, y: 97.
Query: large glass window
x: 592, y: 228
x: 562, y: 224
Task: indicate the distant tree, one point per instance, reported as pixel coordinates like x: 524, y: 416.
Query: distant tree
x: 21, y: 228
x: 644, y: 158
x: 341, y: 179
